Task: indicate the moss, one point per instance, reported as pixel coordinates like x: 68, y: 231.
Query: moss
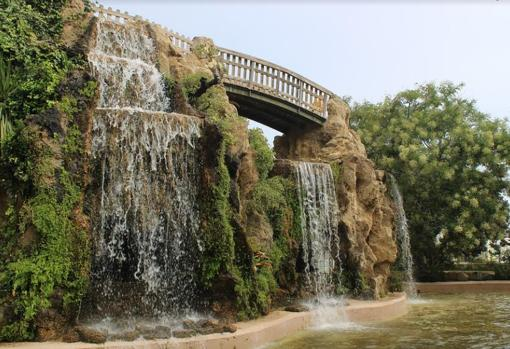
x: 73, y: 143
x: 89, y: 90
x: 192, y: 83
x: 68, y: 105
x: 276, y: 197
x: 337, y: 170
x: 214, y: 102
x: 205, y: 50
x: 395, y: 281
x: 217, y: 232
x: 353, y: 283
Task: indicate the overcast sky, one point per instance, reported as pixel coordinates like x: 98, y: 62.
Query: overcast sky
x: 363, y: 49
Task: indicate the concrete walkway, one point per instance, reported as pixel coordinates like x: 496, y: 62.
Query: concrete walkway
x: 250, y: 334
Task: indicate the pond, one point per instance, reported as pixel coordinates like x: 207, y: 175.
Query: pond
x: 434, y: 321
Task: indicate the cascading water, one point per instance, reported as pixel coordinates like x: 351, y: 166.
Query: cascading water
x: 403, y: 239
x: 147, y: 164
x: 319, y: 223
x: 321, y: 242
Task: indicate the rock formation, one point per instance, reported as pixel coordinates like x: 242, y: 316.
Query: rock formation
x: 366, y: 213
x: 248, y: 225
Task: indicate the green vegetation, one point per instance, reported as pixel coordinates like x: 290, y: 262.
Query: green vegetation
x: 58, y: 260
x: 216, y: 228
x: 354, y: 283
x: 44, y: 253
x: 396, y: 281
x: 30, y: 42
x: 218, y: 233
x: 256, y: 273
x: 264, y: 159
x: 193, y: 84
x: 8, y: 86
x: 452, y: 163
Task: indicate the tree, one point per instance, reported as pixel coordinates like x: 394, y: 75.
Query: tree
x: 452, y: 163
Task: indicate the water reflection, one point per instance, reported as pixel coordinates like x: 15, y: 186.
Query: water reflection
x: 472, y: 321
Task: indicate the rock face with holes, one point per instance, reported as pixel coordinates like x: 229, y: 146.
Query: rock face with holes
x: 366, y: 212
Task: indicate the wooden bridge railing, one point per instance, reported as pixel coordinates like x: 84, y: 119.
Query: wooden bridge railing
x: 249, y: 72
x: 256, y: 74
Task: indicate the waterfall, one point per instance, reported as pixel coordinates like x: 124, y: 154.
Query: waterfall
x: 146, y: 162
x: 319, y: 223
x: 123, y: 63
x: 403, y: 239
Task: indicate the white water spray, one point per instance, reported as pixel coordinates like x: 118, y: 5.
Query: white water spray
x: 146, y: 227
x: 403, y: 239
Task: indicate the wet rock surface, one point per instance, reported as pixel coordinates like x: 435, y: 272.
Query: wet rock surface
x: 184, y: 333
x: 208, y: 326
x: 91, y: 335
x: 296, y: 308
x: 71, y: 336
x: 366, y: 214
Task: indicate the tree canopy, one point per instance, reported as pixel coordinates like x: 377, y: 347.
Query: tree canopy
x: 452, y: 163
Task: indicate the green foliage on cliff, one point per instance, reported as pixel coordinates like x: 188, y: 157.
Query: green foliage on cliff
x: 452, y: 164
x: 192, y: 85
x: 217, y: 231
x: 8, y: 86
x: 42, y: 247
x: 255, y: 273
x: 44, y: 253
x: 264, y: 159
x: 56, y: 261
x: 29, y: 40
x: 277, y: 199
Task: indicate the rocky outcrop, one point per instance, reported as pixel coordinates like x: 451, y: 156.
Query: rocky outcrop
x: 366, y: 213
x: 250, y: 245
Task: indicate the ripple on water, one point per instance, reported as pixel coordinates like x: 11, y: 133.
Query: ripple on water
x: 470, y: 321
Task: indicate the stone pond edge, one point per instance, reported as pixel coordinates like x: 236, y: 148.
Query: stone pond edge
x: 250, y: 334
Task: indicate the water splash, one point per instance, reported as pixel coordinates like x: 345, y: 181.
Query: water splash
x: 319, y: 223
x: 403, y: 239
x: 147, y: 165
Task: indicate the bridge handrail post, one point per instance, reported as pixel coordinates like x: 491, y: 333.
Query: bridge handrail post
x: 251, y: 75
x: 300, y: 93
x: 325, y: 107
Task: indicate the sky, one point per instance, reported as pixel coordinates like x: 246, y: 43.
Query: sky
x: 364, y: 49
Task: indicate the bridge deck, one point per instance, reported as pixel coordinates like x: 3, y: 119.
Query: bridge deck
x: 261, y: 90
x: 271, y: 111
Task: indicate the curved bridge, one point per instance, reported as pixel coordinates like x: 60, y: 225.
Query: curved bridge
x: 262, y: 91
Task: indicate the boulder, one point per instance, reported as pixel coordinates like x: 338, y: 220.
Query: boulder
x: 128, y: 335
x: 184, y: 333
x: 91, y: 335
x: 50, y: 325
x: 230, y: 328
x: 71, y: 336
x: 296, y: 308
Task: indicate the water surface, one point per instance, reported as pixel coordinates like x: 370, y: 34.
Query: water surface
x: 436, y: 321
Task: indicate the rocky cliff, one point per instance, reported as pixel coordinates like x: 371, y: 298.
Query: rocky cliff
x: 249, y: 224
x: 366, y: 212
